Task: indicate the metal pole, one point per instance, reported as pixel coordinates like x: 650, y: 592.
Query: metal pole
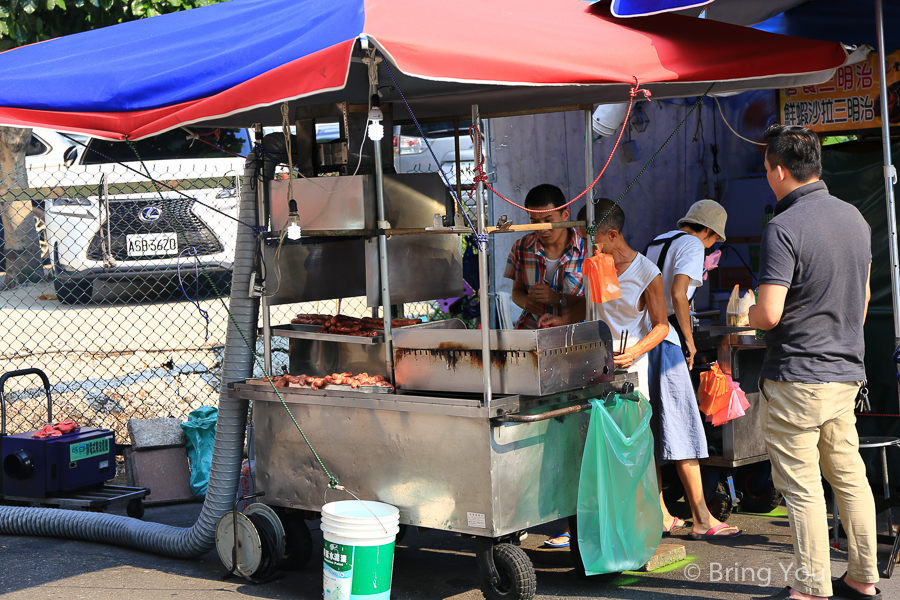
x: 483, y: 281
x: 589, y: 178
x: 489, y: 202
x: 383, y: 265
x: 890, y: 173
x: 260, y: 221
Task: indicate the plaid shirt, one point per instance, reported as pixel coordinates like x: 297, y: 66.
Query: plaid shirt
x: 527, y: 264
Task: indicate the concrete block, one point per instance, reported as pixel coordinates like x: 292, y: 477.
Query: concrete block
x: 666, y: 554
x: 166, y: 472
x: 155, y: 433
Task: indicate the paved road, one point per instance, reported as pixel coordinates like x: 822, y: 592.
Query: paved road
x: 428, y: 565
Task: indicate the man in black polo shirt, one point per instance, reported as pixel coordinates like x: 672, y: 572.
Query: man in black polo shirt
x: 813, y: 296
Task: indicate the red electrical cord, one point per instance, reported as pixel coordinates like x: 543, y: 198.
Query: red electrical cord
x: 481, y: 176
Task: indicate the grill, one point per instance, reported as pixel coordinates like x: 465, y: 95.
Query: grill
x: 124, y: 221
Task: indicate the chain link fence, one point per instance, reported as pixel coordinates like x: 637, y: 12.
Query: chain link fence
x: 116, y: 269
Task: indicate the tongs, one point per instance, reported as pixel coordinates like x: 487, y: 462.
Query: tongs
x: 623, y: 340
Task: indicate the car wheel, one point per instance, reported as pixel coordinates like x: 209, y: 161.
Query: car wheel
x: 73, y: 291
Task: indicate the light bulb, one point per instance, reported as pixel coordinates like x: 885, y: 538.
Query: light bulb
x: 293, y: 221
x: 376, y: 129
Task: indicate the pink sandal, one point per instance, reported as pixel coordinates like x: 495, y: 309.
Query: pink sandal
x: 713, y: 534
x: 675, y: 526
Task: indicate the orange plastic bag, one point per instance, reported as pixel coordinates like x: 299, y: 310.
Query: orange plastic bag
x: 603, y: 281
x: 714, y: 392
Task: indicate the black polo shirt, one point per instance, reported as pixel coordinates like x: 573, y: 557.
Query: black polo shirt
x: 820, y: 248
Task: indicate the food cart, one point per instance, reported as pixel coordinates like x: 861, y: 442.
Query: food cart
x: 482, y: 430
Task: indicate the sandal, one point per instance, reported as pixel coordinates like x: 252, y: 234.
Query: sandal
x: 565, y: 544
x: 675, y: 526
x: 713, y: 534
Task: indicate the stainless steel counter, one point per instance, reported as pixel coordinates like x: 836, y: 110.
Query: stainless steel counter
x: 444, y: 460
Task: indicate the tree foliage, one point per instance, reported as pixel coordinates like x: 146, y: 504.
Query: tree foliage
x: 29, y: 21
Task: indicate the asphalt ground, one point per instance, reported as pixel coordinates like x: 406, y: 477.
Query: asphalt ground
x: 428, y: 564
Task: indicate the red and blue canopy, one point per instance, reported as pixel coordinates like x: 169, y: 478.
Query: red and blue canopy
x: 234, y: 63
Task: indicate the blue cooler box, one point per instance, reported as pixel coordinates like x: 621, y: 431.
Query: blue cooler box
x: 40, y: 467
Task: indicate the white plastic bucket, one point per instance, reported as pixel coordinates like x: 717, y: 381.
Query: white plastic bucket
x: 359, y: 549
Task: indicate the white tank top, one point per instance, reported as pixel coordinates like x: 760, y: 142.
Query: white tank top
x: 623, y: 313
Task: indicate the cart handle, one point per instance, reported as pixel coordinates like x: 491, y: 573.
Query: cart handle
x: 627, y: 388
x: 20, y: 373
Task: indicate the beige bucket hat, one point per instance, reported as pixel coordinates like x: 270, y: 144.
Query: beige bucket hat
x: 707, y: 213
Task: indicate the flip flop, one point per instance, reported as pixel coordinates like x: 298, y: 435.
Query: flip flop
x: 565, y: 544
x: 676, y: 525
x: 713, y: 534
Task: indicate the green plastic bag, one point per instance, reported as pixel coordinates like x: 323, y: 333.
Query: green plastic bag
x: 619, y: 519
x: 200, y: 433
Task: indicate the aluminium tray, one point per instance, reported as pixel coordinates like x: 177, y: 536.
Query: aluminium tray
x: 308, y: 332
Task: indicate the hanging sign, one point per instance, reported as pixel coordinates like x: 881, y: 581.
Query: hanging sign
x: 849, y: 100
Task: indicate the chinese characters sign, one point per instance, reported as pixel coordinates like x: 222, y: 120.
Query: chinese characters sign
x: 849, y: 100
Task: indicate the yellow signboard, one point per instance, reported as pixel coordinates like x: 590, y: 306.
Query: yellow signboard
x: 849, y: 100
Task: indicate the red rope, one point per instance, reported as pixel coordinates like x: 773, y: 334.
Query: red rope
x: 481, y: 176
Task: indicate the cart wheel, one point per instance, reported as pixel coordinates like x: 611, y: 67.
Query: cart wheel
x: 401, y: 534
x: 298, y: 545
x: 759, y: 493
x: 719, y: 504
x: 517, y: 578
x: 135, y: 508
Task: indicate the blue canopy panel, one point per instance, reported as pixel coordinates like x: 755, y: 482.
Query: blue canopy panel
x: 850, y: 23
x: 641, y: 8
x: 206, y: 54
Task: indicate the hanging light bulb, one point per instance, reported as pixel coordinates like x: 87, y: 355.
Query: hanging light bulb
x: 639, y: 120
x: 376, y: 129
x: 293, y: 221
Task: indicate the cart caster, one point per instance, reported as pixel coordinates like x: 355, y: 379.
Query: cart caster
x: 759, y: 493
x: 135, y: 508
x: 514, y: 579
x: 719, y: 503
x: 298, y: 544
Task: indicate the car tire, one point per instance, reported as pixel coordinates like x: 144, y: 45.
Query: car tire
x: 73, y: 291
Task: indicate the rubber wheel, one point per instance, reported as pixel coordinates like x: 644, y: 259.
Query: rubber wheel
x: 135, y: 508
x: 719, y: 504
x: 761, y: 501
x: 73, y: 291
x: 298, y: 545
x: 401, y: 534
x: 517, y: 578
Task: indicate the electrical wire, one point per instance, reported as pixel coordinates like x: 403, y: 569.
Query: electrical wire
x: 724, y: 120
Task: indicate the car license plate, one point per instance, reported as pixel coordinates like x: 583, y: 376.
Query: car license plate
x: 152, y: 244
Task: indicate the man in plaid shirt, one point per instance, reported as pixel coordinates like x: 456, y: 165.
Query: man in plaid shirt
x: 545, y: 266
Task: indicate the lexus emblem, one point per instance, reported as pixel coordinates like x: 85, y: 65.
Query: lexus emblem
x: 150, y: 214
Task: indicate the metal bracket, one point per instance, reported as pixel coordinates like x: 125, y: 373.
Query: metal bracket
x: 503, y: 223
x: 890, y: 171
x: 484, y: 554
x: 255, y: 291
x: 459, y: 224
x: 730, y: 481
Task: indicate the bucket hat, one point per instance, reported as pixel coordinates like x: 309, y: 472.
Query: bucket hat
x: 707, y: 213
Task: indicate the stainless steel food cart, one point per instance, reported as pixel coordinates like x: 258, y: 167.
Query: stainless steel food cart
x: 485, y: 429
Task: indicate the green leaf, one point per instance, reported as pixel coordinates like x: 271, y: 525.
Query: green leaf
x: 96, y: 3
x: 29, y: 6
x: 20, y: 33
x: 39, y: 25
x: 4, y: 12
x: 61, y: 4
x: 106, y: 4
x: 4, y: 28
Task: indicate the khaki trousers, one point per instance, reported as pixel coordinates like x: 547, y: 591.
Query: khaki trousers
x: 808, y: 425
